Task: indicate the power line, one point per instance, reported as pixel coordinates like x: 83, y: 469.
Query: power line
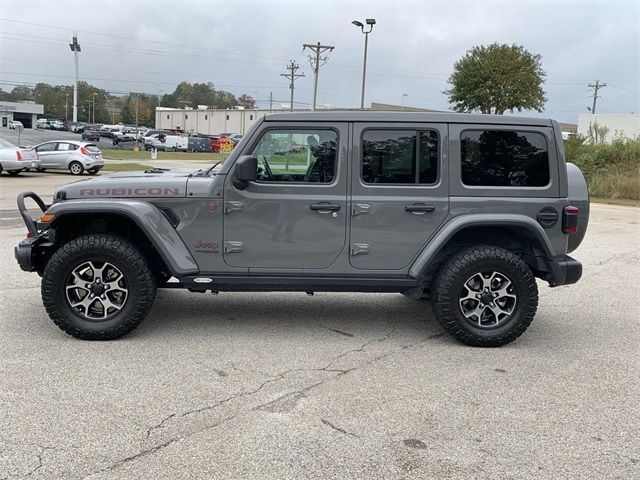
x: 292, y: 76
x: 156, y: 42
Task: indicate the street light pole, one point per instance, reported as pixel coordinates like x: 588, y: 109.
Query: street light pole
x: 75, y: 48
x: 370, y: 22
x: 93, y: 107
x: 403, y: 96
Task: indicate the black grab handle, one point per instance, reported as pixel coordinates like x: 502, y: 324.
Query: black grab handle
x: 330, y: 207
x: 28, y: 221
x: 418, y: 207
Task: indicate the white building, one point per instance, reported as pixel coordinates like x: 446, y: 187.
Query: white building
x: 25, y: 112
x: 626, y: 125
x: 208, y: 121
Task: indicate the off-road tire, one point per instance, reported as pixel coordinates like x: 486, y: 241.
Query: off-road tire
x: 98, y: 247
x: 77, y: 172
x: 448, y: 285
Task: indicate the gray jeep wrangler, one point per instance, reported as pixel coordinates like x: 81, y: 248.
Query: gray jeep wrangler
x: 462, y: 210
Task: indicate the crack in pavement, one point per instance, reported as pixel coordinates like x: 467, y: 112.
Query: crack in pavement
x: 327, y: 368
x: 338, y: 429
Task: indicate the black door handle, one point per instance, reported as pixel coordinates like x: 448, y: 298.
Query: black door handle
x: 419, y: 208
x: 325, y: 207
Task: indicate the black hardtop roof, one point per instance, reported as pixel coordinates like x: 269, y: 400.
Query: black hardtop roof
x: 414, y: 117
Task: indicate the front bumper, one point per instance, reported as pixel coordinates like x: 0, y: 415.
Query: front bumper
x: 563, y: 272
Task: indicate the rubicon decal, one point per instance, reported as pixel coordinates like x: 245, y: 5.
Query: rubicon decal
x: 130, y: 192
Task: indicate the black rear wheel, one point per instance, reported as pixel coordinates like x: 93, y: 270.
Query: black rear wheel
x: 485, y: 296
x: 98, y: 287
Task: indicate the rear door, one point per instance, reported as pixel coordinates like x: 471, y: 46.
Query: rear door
x: 399, y: 192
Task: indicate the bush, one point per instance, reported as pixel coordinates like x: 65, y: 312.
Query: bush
x: 612, y: 170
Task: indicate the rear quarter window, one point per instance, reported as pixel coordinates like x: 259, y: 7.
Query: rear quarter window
x: 504, y: 158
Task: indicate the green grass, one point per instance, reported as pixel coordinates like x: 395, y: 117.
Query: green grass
x: 125, y: 167
x: 144, y: 155
x: 612, y: 170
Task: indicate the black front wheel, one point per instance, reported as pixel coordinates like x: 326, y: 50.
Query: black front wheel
x: 98, y: 287
x: 485, y: 296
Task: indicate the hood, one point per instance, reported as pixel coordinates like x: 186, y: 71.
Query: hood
x: 127, y: 185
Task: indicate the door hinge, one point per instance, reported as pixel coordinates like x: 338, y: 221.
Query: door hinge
x: 233, y: 206
x: 360, y: 249
x: 233, y: 247
x: 360, y: 209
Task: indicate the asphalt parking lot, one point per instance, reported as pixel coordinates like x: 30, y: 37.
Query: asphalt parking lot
x: 340, y: 386
x: 29, y: 137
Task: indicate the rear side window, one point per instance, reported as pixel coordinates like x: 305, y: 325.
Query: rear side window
x: 406, y: 157
x: 504, y: 158
x: 67, y: 146
x: 92, y: 148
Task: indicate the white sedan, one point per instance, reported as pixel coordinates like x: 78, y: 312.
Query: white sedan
x: 71, y: 155
x: 14, y: 159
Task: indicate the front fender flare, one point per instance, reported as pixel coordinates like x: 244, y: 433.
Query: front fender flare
x: 456, y: 224
x: 148, y: 218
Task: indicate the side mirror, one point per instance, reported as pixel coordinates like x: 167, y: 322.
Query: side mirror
x: 246, y: 169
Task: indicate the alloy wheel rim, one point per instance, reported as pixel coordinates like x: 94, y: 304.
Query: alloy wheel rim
x: 75, y: 168
x: 488, y: 299
x: 96, y: 291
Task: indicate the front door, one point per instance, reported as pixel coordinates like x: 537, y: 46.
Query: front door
x: 294, y: 215
x: 399, y: 192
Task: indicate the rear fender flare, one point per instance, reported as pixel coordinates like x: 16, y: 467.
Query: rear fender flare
x: 457, y: 224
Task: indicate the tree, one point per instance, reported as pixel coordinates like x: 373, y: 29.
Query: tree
x: 497, y: 78
x: 193, y: 94
x: 246, y: 101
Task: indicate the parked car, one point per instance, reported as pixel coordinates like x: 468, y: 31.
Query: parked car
x: 92, y: 135
x: 13, y: 124
x: 55, y: 125
x: 199, y: 144
x: 462, y: 211
x: 69, y: 155
x: 236, y: 137
x: 14, y: 159
x: 41, y: 123
x: 167, y: 143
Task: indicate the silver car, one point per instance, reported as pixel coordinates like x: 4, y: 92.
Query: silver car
x: 70, y: 155
x: 14, y: 159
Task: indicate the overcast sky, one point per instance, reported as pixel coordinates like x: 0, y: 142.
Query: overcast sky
x: 243, y: 47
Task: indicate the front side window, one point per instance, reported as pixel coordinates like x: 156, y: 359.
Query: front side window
x: 407, y: 157
x: 504, y: 158
x: 301, y: 155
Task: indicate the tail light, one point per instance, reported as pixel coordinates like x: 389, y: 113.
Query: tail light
x: 19, y: 155
x: 570, y: 220
x: 84, y: 151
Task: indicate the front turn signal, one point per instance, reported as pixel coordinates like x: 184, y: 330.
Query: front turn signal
x: 47, y: 217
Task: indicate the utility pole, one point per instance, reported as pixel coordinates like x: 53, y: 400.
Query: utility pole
x: 66, y: 106
x: 89, y: 110
x: 596, y: 86
x: 138, y: 107
x: 293, y: 67
x: 270, y: 102
x: 316, y: 63
x: 75, y: 48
